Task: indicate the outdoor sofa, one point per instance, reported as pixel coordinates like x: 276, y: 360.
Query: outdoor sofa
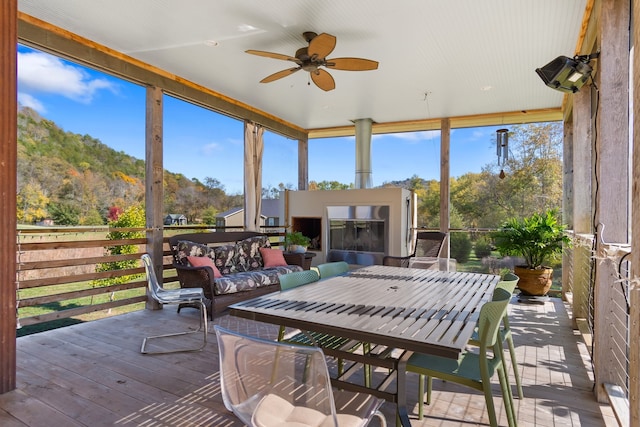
x: 229, y: 266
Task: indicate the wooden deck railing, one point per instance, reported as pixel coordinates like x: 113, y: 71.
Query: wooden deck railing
x: 57, y: 276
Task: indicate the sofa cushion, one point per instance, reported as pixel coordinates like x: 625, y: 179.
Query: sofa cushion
x: 248, y: 280
x: 225, y: 258
x: 187, y: 248
x: 248, y: 256
x: 272, y: 257
x: 204, y: 261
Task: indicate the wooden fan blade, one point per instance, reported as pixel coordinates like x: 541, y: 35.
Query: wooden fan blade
x: 323, y: 80
x: 352, y: 64
x: 273, y: 55
x: 279, y: 75
x: 321, y: 45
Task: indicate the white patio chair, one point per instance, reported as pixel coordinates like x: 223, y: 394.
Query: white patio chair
x: 174, y: 296
x: 268, y: 383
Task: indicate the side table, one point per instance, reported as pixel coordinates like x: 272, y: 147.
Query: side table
x: 301, y: 259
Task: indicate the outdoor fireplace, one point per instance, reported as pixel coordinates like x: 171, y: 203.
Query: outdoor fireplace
x: 359, y: 226
x: 310, y: 227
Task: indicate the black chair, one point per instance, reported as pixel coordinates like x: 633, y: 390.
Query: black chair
x: 428, y: 244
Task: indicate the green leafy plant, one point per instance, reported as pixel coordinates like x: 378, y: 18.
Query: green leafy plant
x: 296, y: 238
x: 538, y: 238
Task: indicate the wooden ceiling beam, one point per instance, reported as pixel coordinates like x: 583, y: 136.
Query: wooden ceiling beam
x: 495, y: 119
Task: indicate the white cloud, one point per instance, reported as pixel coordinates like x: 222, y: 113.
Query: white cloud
x: 426, y: 135
x: 210, y: 148
x: 43, y: 73
x: 26, y: 100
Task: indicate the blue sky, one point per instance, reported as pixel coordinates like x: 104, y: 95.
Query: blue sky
x: 200, y: 143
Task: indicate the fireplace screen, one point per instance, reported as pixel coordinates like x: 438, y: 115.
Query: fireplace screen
x: 357, y: 235
x: 357, y: 230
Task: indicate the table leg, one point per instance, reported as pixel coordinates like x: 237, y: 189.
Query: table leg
x: 402, y: 414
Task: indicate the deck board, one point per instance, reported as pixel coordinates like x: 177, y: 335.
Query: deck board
x: 92, y: 374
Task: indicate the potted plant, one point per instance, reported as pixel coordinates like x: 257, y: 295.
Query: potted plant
x: 538, y: 239
x: 296, y: 242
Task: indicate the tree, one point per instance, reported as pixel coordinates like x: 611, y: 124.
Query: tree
x: 64, y: 213
x: 209, y: 215
x: 92, y: 217
x: 31, y: 203
x: 131, y: 217
x: 329, y: 185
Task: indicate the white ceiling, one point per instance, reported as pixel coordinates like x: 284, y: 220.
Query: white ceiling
x: 436, y: 58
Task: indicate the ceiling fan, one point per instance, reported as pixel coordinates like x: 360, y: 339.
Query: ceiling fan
x: 313, y: 57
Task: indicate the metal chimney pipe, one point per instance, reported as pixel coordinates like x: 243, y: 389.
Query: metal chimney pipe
x: 364, y: 175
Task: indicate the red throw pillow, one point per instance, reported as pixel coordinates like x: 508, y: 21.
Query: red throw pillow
x: 272, y: 257
x: 204, y: 261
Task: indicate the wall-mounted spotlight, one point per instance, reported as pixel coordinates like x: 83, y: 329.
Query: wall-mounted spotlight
x: 567, y: 74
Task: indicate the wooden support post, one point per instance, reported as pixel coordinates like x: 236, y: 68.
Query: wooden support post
x: 8, y: 161
x: 445, y: 149
x: 303, y: 164
x: 612, y: 178
x: 634, y: 290
x: 582, y: 212
x: 154, y: 198
x: 567, y: 196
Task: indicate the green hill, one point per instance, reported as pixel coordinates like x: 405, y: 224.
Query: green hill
x: 75, y: 179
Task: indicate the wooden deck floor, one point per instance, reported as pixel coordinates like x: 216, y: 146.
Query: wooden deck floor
x: 92, y: 374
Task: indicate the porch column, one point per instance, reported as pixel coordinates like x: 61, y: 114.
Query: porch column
x: 303, y: 164
x: 634, y: 291
x: 364, y: 177
x: 567, y: 197
x: 582, y: 211
x: 611, y: 171
x: 445, y: 149
x: 154, y: 191
x: 8, y: 187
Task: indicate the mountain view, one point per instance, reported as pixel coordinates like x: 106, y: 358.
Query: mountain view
x: 75, y: 179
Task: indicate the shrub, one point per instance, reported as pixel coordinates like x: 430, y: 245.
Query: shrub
x: 460, y: 247
x: 482, y: 247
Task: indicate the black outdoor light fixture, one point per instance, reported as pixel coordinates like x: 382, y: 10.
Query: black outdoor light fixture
x: 567, y: 74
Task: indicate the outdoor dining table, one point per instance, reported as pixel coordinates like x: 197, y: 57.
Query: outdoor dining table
x: 396, y: 311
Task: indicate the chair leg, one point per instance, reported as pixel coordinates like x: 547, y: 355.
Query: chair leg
x: 507, y: 396
x: 202, y: 328
x: 420, y: 396
x: 491, y: 410
x: 514, y: 364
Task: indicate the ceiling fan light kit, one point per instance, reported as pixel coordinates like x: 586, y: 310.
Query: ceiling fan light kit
x: 313, y: 57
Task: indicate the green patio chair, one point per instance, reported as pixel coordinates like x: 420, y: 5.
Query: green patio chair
x: 471, y: 369
x: 330, y: 269
x: 509, y: 283
x: 317, y: 339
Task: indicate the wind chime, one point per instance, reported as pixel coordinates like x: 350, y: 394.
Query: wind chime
x: 502, y: 149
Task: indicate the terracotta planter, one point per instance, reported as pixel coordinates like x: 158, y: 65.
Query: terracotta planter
x: 534, y: 282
